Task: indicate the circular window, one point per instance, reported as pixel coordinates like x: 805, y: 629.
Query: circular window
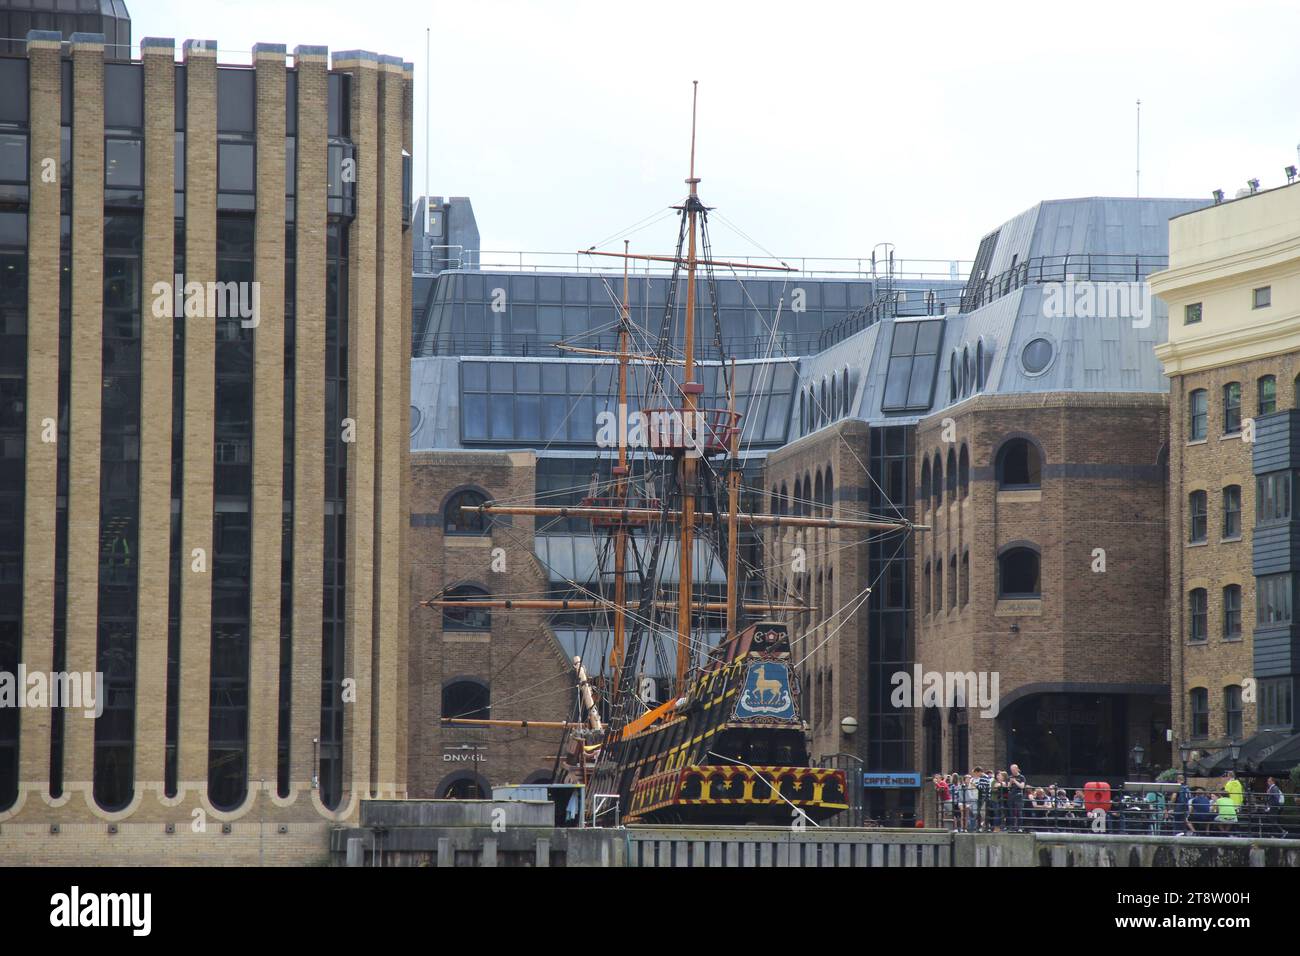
x: 1037, y: 356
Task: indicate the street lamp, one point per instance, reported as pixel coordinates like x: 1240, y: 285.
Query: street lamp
x: 1138, y: 753
x: 1185, y: 754
x: 1234, y: 751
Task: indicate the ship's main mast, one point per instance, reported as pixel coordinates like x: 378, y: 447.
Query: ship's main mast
x: 690, y: 396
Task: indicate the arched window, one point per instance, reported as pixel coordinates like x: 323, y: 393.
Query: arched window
x: 1019, y: 465
x: 938, y: 584
x: 1231, y: 512
x: 835, y: 397
x: 952, y: 580
x: 1232, y: 408
x: 1232, y: 711
x: 785, y: 498
x: 1267, y: 395
x: 1018, y: 576
x: 1198, y: 612
x: 455, y: 520
x: 463, y: 786
x: 828, y: 503
x: 979, y: 365
x: 807, y: 493
x: 952, y: 476
x: 953, y: 373
x: 775, y: 507
x: 1232, y: 612
x: 803, y: 414
x: 963, y: 472
x: 967, y: 372
x: 466, y: 698
x: 1197, y: 517
x: 925, y: 483
x: 1198, y: 415
x: 797, y: 510
x: 820, y: 491
x: 1199, y: 704
x: 466, y: 618
x: 845, y: 397
x: 938, y: 479
x: 824, y: 408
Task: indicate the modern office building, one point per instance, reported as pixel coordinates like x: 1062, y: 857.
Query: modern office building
x: 1232, y: 356
x: 205, y: 308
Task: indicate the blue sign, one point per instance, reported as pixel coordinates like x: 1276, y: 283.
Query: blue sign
x: 766, y: 693
x: 891, y: 780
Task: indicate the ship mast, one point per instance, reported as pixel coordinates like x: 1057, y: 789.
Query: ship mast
x: 690, y: 394
x: 621, y: 487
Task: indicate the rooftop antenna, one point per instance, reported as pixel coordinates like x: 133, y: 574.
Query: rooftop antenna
x: 1137, y: 186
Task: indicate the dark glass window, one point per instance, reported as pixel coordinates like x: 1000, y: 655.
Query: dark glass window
x: 965, y: 578
x: 1274, y: 599
x: 1231, y: 408
x: 1199, y: 700
x: 913, y: 364
x: 1232, y: 711
x: 1232, y: 612
x: 1263, y: 297
x: 938, y: 584
x: 963, y: 472
x: 1198, y: 415
x: 1267, y: 395
x: 1018, y: 574
x: 236, y: 167
x: 466, y: 699
x: 123, y: 163
x: 1275, y: 702
x: 1192, y: 313
x: 1036, y: 356
x: 1019, y: 465
x: 1197, y: 615
x: 123, y: 96
x: 466, y: 618
x: 1273, y: 497
x: 119, y: 510
x: 236, y: 91
x: 455, y: 520
x: 13, y: 157
x: 1232, y: 511
x: 1197, y: 516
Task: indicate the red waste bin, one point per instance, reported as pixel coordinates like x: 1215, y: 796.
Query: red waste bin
x: 1096, y: 794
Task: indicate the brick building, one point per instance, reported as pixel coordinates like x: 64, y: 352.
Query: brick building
x: 208, y: 509
x: 1232, y: 354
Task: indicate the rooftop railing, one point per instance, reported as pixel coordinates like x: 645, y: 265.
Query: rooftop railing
x: 531, y: 345
x: 431, y: 261
x: 1077, y: 267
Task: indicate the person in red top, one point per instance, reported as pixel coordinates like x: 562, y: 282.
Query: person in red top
x: 944, y: 796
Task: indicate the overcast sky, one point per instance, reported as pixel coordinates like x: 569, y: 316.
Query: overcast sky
x: 824, y: 128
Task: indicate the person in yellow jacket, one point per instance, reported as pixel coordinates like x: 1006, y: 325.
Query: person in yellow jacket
x: 1226, y: 809
x: 1234, y: 789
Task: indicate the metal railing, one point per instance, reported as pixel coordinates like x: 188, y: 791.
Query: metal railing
x: 531, y: 345
x: 1137, y: 809
x: 1077, y: 267
x: 438, y: 258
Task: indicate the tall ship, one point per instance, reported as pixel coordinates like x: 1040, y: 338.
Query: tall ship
x: 723, y: 738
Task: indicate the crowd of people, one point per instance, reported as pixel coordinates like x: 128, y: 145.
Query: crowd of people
x: 988, y: 801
